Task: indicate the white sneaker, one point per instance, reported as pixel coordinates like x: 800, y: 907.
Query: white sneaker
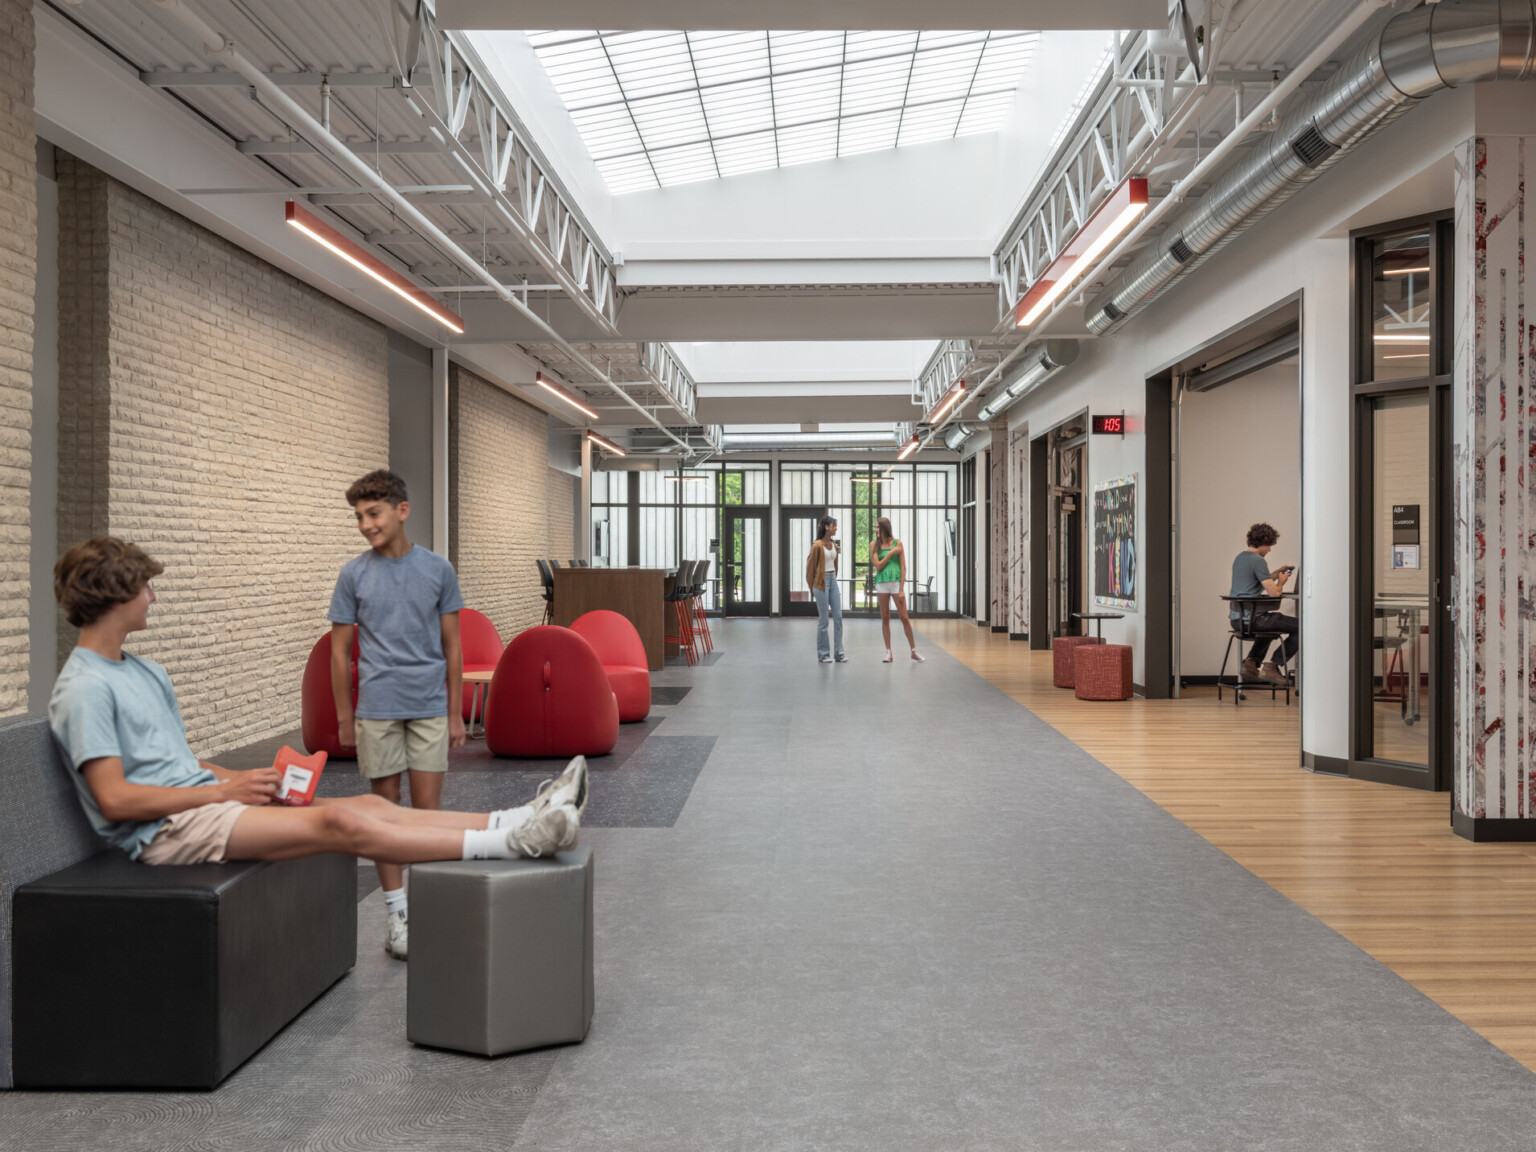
x: 570, y: 787
x: 553, y: 830
x: 825, y: 659
x: 397, y: 935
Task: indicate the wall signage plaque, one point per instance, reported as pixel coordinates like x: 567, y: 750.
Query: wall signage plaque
x: 1114, y: 543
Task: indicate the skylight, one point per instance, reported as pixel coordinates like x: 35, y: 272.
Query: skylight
x: 663, y: 108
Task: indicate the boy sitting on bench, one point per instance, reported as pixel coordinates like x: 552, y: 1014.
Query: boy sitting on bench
x: 116, y: 718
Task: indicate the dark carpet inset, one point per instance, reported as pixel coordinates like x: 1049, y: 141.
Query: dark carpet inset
x: 703, y: 661
x: 668, y: 694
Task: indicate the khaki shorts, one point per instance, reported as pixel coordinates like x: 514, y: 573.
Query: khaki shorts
x: 196, y: 836
x: 389, y: 747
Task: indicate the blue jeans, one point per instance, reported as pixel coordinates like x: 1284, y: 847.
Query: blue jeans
x: 829, y: 602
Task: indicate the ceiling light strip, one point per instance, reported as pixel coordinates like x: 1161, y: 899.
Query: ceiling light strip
x: 366, y: 262
x: 554, y: 389
x: 604, y: 444
x: 1108, y: 222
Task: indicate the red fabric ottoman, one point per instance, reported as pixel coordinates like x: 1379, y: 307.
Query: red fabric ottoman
x: 317, y: 704
x: 622, y: 652
x: 550, y: 698
x: 1103, y: 672
x: 1062, y: 650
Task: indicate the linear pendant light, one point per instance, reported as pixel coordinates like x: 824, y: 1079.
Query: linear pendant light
x: 554, y: 389
x: 908, y: 448
x: 1111, y: 219
x: 605, y: 445
x: 364, y: 261
x: 951, y: 398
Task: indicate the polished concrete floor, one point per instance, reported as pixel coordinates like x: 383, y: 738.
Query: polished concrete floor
x: 897, y: 911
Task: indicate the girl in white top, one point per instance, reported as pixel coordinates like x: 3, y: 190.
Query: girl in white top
x: 821, y: 577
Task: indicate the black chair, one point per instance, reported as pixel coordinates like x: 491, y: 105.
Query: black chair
x: 698, y: 584
x: 554, y: 563
x: 682, y: 604
x: 547, y: 579
x: 1245, y: 632
x: 923, y: 599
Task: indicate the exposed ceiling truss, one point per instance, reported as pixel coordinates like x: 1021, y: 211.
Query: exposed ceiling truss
x: 648, y: 372
x: 1165, y: 100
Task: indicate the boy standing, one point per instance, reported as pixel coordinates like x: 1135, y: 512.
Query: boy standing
x: 405, y: 602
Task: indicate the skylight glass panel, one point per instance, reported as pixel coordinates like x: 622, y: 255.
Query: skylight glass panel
x: 658, y: 108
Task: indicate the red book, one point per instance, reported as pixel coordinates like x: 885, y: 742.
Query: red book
x: 301, y: 776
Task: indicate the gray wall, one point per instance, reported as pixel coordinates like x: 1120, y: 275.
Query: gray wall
x: 410, y: 428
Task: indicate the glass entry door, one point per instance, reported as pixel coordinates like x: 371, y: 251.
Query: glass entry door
x: 797, y: 532
x: 744, y: 564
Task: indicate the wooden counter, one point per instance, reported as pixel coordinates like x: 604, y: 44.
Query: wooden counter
x: 634, y: 593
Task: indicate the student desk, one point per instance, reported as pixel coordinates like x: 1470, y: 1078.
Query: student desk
x: 637, y: 594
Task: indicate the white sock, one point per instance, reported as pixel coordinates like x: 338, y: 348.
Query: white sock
x: 511, y: 817
x: 486, y: 844
x: 394, y: 901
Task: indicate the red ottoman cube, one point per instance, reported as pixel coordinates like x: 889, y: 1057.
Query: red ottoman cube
x: 1103, y: 672
x: 1062, y: 649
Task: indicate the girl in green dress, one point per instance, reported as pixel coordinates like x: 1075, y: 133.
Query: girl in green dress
x: 889, y: 560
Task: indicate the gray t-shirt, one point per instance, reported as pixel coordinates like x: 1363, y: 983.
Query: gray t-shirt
x: 396, y: 603
x: 124, y: 708
x: 1249, y: 571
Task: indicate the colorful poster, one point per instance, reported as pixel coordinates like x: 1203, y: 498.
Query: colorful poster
x: 1114, y: 543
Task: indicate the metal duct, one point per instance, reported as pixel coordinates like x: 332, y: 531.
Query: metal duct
x: 1042, y: 362
x: 808, y: 442
x: 1416, y: 54
x: 955, y: 438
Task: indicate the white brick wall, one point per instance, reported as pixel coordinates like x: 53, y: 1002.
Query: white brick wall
x: 18, y: 278
x: 508, y: 506
x: 236, y: 405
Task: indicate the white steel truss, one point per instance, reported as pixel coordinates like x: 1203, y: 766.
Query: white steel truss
x: 949, y: 363
x: 468, y: 113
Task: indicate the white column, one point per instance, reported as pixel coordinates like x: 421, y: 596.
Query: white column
x: 440, y: 461
x: 584, y: 515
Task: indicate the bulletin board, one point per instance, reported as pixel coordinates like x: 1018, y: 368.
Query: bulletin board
x: 1114, y: 543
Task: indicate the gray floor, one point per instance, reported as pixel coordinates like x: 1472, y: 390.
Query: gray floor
x: 896, y: 912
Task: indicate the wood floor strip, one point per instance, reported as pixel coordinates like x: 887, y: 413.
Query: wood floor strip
x: 1376, y: 863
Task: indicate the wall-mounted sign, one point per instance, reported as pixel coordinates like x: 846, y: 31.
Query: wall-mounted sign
x: 1109, y: 425
x: 1114, y: 543
x: 1405, y: 556
x: 1405, y: 524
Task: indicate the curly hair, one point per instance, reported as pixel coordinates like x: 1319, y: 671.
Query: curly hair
x: 98, y: 574
x: 380, y: 484
x: 1262, y: 534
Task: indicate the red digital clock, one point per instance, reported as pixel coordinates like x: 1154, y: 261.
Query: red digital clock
x: 1109, y: 425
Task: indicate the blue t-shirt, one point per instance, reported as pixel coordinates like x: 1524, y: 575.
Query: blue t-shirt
x: 124, y: 708
x: 1249, y: 571
x: 397, y: 603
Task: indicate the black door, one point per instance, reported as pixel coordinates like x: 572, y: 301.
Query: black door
x: 797, y: 532
x: 744, y: 574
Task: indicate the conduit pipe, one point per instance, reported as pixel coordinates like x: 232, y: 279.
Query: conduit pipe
x: 220, y: 46
x: 1416, y: 54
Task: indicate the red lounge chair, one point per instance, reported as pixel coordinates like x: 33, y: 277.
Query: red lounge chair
x: 318, y: 705
x: 550, y: 698
x: 482, y: 648
x: 619, y: 647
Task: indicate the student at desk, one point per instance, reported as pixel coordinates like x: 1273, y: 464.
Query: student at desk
x: 1251, y: 577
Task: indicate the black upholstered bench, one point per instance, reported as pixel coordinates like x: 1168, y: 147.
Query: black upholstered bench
x: 116, y: 974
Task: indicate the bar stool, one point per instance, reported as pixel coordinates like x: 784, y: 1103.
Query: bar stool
x: 700, y: 617
x: 1243, y: 633
x: 547, y: 579
x: 679, y: 598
